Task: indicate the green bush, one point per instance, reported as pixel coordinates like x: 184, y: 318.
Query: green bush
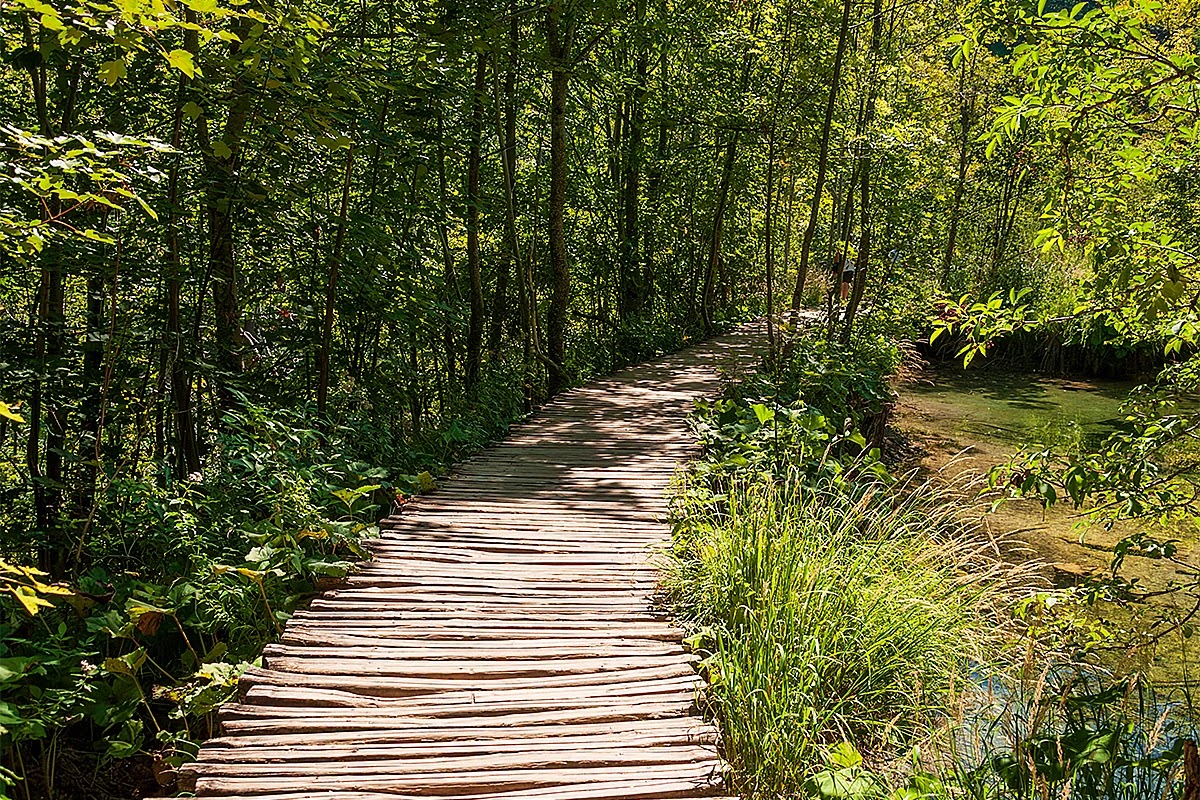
x: 182, y: 583
x: 828, y: 613
x: 813, y: 418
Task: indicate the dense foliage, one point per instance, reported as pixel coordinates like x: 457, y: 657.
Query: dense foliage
x: 863, y: 635
x: 269, y: 267
x: 832, y: 605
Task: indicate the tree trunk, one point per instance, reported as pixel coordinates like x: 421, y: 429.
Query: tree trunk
x: 633, y: 290
x: 449, y: 280
x: 335, y: 269
x: 46, y: 471
x: 88, y: 451
x: 787, y: 243
x: 864, y: 168
x: 187, y: 451
x: 768, y: 225
x: 507, y: 133
x: 822, y: 158
x: 558, y: 39
x: 222, y: 174
x: 474, y: 268
x: 718, y: 231
x: 769, y: 220
x: 718, y: 225
x: 966, y: 114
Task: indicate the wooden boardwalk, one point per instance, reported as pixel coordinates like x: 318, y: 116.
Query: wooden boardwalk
x: 503, y: 643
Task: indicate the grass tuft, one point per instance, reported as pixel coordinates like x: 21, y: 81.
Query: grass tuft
x: 830, y: 614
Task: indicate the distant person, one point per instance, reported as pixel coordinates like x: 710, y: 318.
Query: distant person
x: 847, y: 279
x: 835, y: 268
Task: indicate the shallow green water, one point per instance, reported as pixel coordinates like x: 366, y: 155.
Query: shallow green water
x: 1023, y: 409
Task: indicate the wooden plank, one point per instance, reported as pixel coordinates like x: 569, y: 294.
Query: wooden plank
x: 332, y: 643
x: 485, y: 699
x: 320, y: 633
x: 612, y: 756
x: 442, y: 783
x: 593, y: 790
x: 574, y: 710
x: 398, y: 686
x: 235, y: 719
x: 366, y: 647
x: 351, y: 664
x: 690, y: 729
x: 281, y: 752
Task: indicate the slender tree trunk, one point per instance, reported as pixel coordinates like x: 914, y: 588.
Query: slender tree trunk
x: 44, y: 518
x: 449, y: 279
x: 88, y: 451
x: 499, y: 312
x: 415, y: 406
x: 654, y: 191
x: 769, y: 221
x: 633, y: 290
x: 474, y: 268
x: 558, y: 38
x: 1006, y: 214
x: 335, y: 269
x: 846, y: 221
x: 650, y: 225
x: 864, y: 167
x: 507, y: 136
x: 222, y: 161
x: 822, y: 158
x: 863, y: 258
x: 718, y: 225
x: 55, y: 321
x: 966, y: 115
x: 787, y: 235
x: 507, y: 133
x: 187, y: 451
x: 768, y: 231
x: 46, y: 470
x: 718, y: 232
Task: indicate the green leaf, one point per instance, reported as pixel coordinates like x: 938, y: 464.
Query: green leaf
x: 844, y: 784
x: 763, y: 413
x: 182, y: 61
x: 7, y: 412
x: 113, y: 71
x: 221, y: 150
x: 845, y: 755
x: 128, y: 664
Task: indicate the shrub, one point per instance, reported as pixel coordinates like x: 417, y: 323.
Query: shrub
x: 828, y: 613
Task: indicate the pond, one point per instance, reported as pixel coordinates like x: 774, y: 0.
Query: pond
x: 1007, y: 408
x: 959, y: 423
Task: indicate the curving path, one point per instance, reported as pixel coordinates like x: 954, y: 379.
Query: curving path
x: 503, y: 643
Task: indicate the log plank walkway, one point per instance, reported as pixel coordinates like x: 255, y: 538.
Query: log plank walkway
x: 502, y: 645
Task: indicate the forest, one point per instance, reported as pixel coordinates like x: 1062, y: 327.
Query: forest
x: 271, y: 267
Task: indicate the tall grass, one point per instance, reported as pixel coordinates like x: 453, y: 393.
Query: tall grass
x: 830, y: 614
x: 1058, y: 731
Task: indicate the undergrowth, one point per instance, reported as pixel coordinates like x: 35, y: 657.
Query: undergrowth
x: 859, y: 631
x: 181, y: 582
x: 829, y: 614
x: 112, y: 667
